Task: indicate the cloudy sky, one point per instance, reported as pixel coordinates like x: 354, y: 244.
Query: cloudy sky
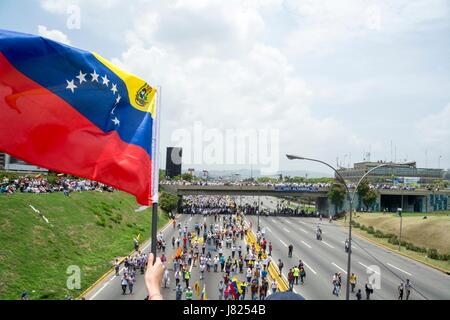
x: 335, y: 79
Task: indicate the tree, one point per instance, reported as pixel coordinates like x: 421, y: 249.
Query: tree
x: 162, y: 175
x: 363, y: 189
x: 363, y: 192
x: 187, y: 177
x: 370, y: 198
x: 168, y: 202
x: 337, y: 196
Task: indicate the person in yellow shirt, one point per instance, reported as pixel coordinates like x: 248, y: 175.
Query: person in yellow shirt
x: 353, y: 281
x: 296, y: 272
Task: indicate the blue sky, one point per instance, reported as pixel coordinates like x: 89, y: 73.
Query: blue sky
x: 333, y: 77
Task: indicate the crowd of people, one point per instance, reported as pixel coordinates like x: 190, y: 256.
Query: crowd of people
x: 41, y: 184
x: 282, y: 186
x: 219, y: 248
x: 213, y: 249
x: 208, y: 205
x: 132, y: 265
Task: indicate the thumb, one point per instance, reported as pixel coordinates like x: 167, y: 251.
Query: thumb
x: 151, y: 258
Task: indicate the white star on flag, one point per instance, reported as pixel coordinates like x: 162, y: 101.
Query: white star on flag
x: 105, y: 80
x: 71, y: 85
x: 118, y: 99
x: 82, y: 77
x: 114, y: 88
x: 94, y: 76
x: 116, y: 121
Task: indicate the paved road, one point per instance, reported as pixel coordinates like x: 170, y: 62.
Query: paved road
x: 322, y: 259
x: 110, y: 289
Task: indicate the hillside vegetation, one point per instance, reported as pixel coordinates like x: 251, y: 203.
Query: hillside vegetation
x: 432, y: 232
x: 87, y: 230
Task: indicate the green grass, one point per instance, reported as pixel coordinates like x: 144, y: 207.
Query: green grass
x: 87, y: 230
x: 430, y: 233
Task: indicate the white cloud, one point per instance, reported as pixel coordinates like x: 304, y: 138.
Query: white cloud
x: 217, y: 70
x: 244, y: 64
x: 53, y: 34
x: 435, y: 129
x: 60, y: 6
x: 323, y: 25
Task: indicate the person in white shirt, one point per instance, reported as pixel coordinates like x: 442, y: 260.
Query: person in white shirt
x: 274, y: 286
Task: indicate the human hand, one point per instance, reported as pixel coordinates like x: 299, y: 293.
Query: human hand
x: 153, y: 277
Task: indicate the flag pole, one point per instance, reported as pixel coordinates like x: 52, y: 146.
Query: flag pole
x: 155, y: 170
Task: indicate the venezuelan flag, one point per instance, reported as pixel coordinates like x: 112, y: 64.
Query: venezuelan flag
x: 72, y: 111
x: 236, y: 288
x: 197, y: 289
x: 203, y: 295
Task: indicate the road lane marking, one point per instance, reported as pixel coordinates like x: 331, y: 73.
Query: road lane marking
x: 286, y: 230
x: 312, y: 270
x: 287, y: 221
x: 283, y: 243
x: 368, y: 268
x: 270, y: 230
x: 334, y: 264
x: 306, y: 244
x: 303, y: 230
x: 409, y: 274
x: 328, y: 244
x: 273, y: 220
x: 122, y: 269
x: 100, y: 290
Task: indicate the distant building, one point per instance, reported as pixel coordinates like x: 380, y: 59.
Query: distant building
x: 173, y: 162
x: 409, y: 174
x: 8, y: 163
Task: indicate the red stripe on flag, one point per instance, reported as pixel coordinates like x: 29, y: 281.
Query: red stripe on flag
x: 41, y: 128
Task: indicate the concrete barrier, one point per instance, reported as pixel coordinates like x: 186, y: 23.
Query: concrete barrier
x: 273, y: 270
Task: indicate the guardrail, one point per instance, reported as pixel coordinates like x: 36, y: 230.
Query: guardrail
x: 273, y: 270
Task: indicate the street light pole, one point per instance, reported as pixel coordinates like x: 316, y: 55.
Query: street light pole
x: 351, y: 200
x: 401, y: 223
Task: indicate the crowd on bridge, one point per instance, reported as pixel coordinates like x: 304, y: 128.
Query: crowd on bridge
x: 288, y: 186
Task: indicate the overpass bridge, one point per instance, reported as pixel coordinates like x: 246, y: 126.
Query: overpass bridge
x: 419, y: 200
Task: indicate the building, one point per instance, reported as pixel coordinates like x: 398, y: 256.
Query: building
x: 408, y: 175
x: 173, y: 162
x: 8, y: 163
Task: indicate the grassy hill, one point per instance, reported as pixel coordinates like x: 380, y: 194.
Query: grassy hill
x: 429, y: 233
x: 87, y: 230
x: 432, y: 232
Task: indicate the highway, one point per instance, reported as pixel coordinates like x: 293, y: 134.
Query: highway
x: 321, y: 258
x: 110, y: 289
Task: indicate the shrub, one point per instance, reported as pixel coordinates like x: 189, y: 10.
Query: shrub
x: 433, y: 254
x: 379, y: 234
x: 393, y: 240
x: 370, y: 230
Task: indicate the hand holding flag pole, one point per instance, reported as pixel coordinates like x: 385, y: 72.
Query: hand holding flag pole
x: 155, y: 171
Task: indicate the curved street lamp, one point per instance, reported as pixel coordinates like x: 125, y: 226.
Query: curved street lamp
x: 350, y: 198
